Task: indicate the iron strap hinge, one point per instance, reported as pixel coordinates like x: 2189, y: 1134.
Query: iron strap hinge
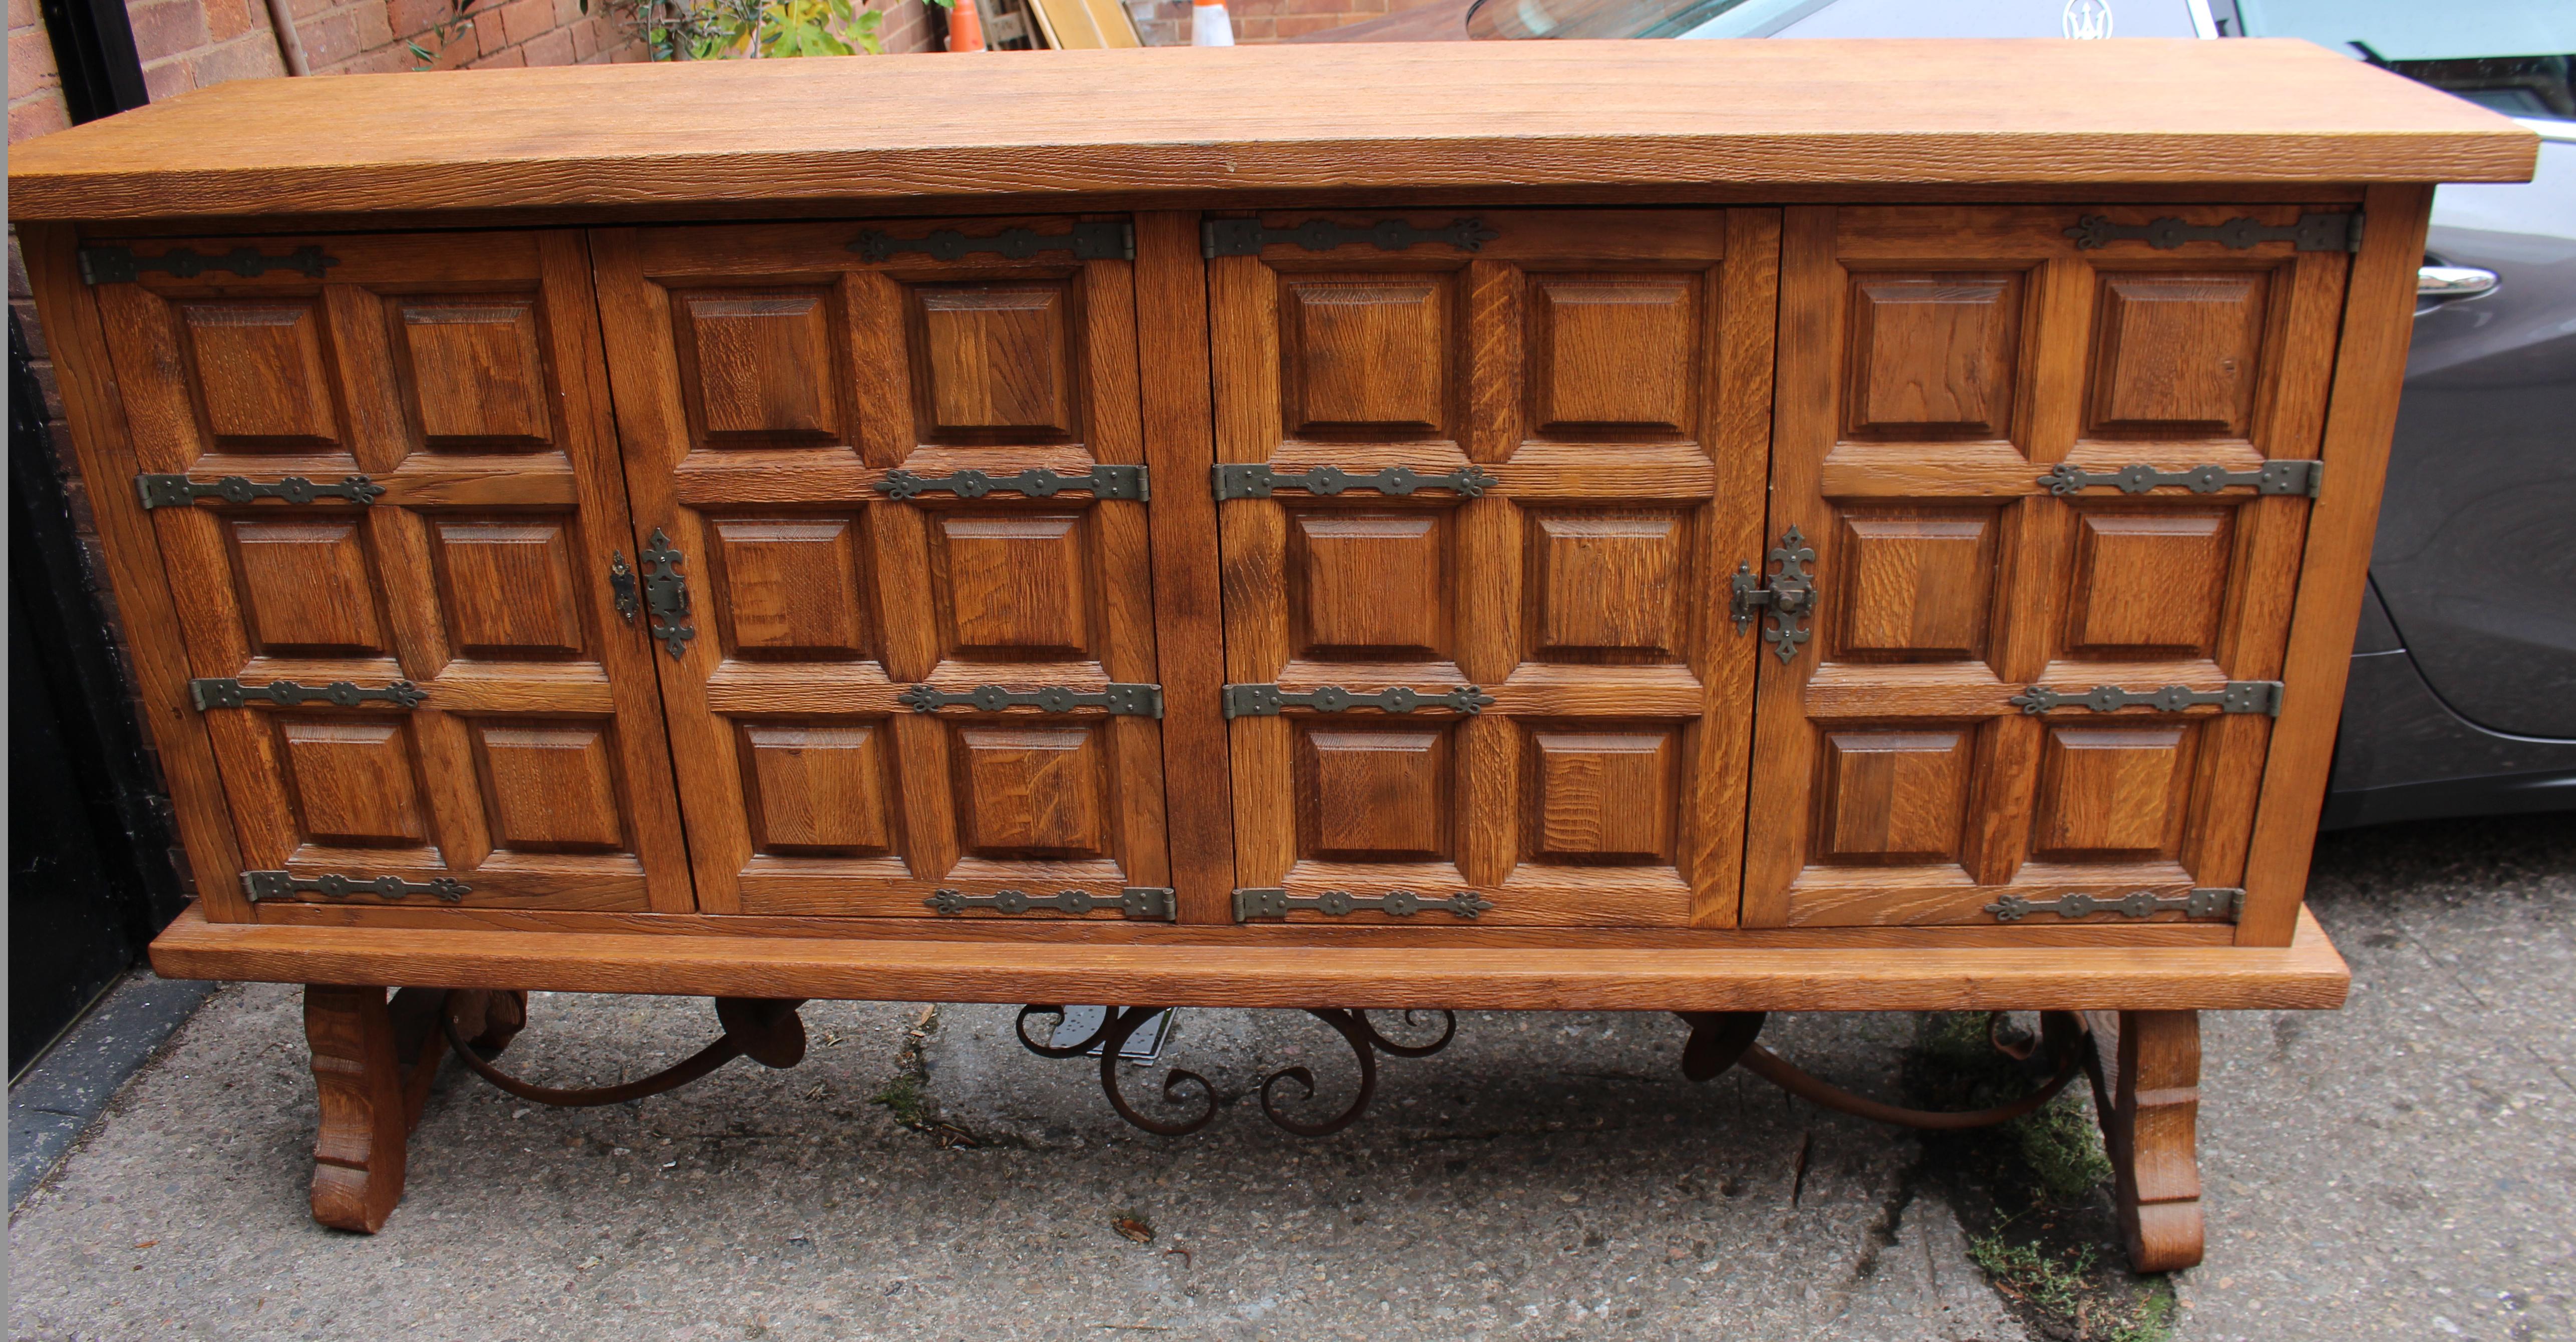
x: 2313, y: 233
x: 119, y: 265
x: 1255, y: 480
x: 2299, y: 477
x: 209, y: 692
x: 2222, y: 903
x: 160, y: 490
x: 1150, y: 903
x: 1267, y: 701
x: 1272, y: 902
x: 261, y: 885
x: 2237, y: 696
x: 1101, y: 482
x: 1090, y: 240
x: 666, y: 594
x: 1246, y: 237
x: 1117, y: 700
x: 1783, y: 598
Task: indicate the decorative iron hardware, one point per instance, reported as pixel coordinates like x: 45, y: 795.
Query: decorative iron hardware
x: 1246, y: 237
x: 2228, y: 904
x: 1266, y: 701
x: 621, y: 587
x: 1103, y: 482
x: 178, y: 491
x: 1108, y: 1040
x: 1255, y: 481
x: 1258, y: 902
x: 1149, y: 902
x: 1132, y: 701
x: 225, y: 692
x: 1785, y: 598
x: 2238, y: 696
x: 261, y: 885
x: 2272, y: 477
x: 2313, y: 233
x: 1100, y: 240
x: 666, y: 595
x: 119, y: 265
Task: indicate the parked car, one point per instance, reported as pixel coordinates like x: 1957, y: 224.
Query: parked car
x: 2463, y: 692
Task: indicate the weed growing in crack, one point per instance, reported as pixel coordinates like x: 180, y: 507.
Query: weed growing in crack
x: 903, y: 1098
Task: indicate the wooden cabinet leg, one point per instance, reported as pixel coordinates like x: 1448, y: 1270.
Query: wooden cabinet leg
x: 2146, y: 1088
x: 373, y: 1061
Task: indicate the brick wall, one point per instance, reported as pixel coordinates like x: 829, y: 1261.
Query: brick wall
x: 1165, y: 23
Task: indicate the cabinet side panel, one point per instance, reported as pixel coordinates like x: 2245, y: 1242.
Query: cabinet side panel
x: 2370, y: 368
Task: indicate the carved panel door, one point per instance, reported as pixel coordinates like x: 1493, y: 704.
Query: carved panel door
x: 1479, y: 672
x: 895, y: 465
x: 443, y: 395
x: 1958, y: 389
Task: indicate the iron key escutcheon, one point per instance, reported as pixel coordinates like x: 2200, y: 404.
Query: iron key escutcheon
x: 1784, y: 598
x: 666, y: 595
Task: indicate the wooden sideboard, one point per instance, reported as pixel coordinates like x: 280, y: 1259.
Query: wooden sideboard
x: 1702, y: 527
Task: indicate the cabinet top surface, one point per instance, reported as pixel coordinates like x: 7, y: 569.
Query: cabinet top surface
x: 1331, y: 117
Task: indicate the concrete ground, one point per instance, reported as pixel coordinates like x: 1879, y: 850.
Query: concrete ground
x: 2405, y: 1168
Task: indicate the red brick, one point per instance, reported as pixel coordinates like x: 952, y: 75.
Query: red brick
x: 411, y: 18
x: 555, y: 48
x: 168, y: 79
x: 526, y: 20
x: 251, y: 56
x: 41, y: 114
x: 1297, y: 25
x: 502, y: 60
x: 585, y: 39
x: 167, y: 28
x: 329, y: 40
x: 227, y: 19
x: 23, y: 14
x: 567, y: 13
x: 489, y: 36
x: 31, y: 63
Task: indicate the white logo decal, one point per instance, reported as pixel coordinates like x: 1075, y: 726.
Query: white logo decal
x: 2087, y: 18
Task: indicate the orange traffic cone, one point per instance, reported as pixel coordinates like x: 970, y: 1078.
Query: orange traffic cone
x: 965, y: 27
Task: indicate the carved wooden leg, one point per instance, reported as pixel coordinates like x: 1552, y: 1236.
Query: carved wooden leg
x: 373, y: 1061
x: 2146, y: 1088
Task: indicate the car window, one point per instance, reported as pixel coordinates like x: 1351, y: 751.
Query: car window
x: 1987, y: 18
x: 2510, y: 55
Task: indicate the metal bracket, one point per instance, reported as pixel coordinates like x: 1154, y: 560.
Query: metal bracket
x: 666, y: 595
x: 1266, y: 701
x: 2272, y: 477
x: 178, y: 491
x: 2313, y: 233
x: 119, y: 265
x: 1275, y: 903
x: 225, y: 692
x: 2228, y: 904
x: 1246, y: 237
x: 2238, y: 696
x: 1255, y: 481
x: 1096, y: 240
x: 1103, y: 482
x: 261, y: 885
x: 1132, y: 701
x: 1785, y: 598
x: 621, y: 587
x: 1152, y: 903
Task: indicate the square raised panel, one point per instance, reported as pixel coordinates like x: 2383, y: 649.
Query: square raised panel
x: 1613, y: 352
x: 1893, y: 795
x: 1603, y: 795
x: 1932, y: 356
x: 1366, y: 352
x: 1915, y: 584
x: 790, y: 588
x: 2111, y: 792
x: 508, y: 587
x: 2177, y: 354
x: 1372, y: 793
x: 1369, y: 585
x: 760, y: 367
x: 1032, y: 792
x: 1605, y: 585
x: 261, y: 373
x: 1013, y: 586
x: 477, y: 377
x: 818, y: 790
x: 996, y: 362
x: 2148, y: 582
x: 354, y: 781
x: 304, y: 587
x: 550, y: 787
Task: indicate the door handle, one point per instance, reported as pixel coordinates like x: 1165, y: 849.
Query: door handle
x: 2453, y: 282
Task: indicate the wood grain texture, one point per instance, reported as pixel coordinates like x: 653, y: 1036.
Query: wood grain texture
x: 2307, y: 975
x: 1331, y: 117
x: 372, y: 1065
x: 2146, y: 1092
x: 2368, y: 373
